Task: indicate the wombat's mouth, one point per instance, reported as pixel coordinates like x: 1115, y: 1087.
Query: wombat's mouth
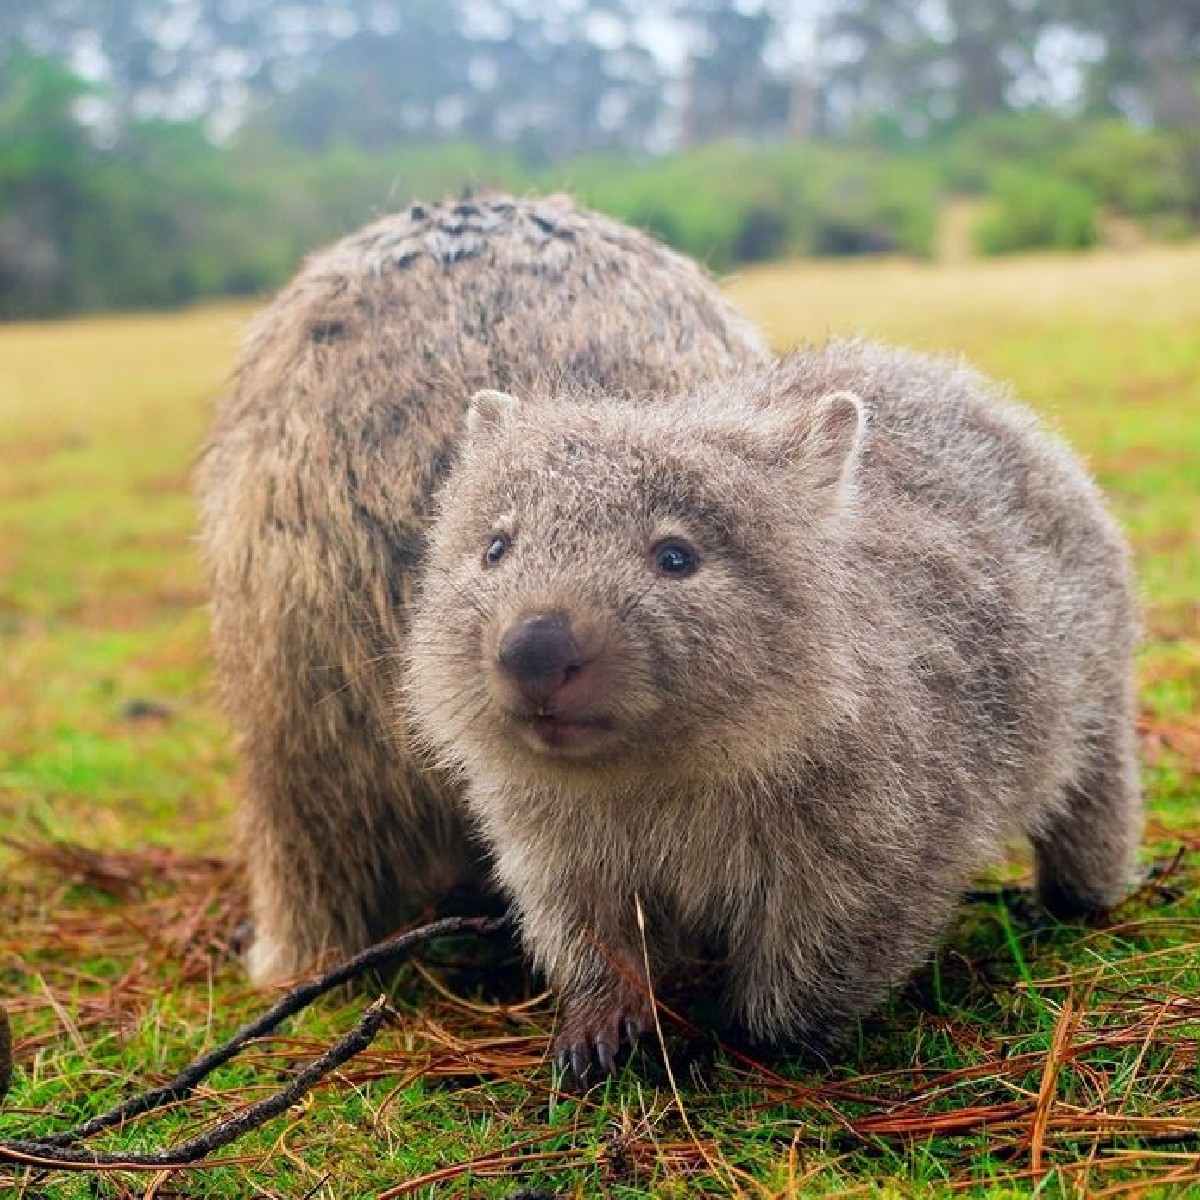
x: 545, y: 731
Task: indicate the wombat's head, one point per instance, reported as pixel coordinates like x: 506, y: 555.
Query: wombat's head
x: 617, y: 587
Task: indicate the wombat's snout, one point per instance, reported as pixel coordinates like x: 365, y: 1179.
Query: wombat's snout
x: 540, y: 655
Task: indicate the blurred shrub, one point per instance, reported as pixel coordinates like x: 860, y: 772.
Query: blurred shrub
x: 1032, y: 211
x: 969, y: 159
x: 872, y: 205
x: 728, y: 204
x: 1135, y: 172
x: 158, y: 215
x: 322, y: 196
x: 713, y: 203
x: 1150, y: 175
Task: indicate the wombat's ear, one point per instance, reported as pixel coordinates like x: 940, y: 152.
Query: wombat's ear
x: 828, y: 441
x: 490, y: 410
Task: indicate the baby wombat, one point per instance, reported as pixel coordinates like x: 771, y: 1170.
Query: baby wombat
x: 315, y: 497
x: 775, y: 664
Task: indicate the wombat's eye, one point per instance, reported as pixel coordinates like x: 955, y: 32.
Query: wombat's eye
x: 496, y: 550
x: 674, y: 557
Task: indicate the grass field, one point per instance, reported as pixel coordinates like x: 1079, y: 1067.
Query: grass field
x: 1057, y: 1061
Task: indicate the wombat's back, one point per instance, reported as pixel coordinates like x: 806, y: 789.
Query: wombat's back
x: 383, y: 336
x: 315, y: 489
x: 989, y: 548
x: 996, y: 590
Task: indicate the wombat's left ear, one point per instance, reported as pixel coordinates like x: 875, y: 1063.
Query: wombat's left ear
x: 490, y: 410
x: 828, y: 440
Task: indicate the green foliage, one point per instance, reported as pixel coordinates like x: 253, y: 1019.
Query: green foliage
x: 155, y: 214
x: 728, y: 204
x: 156, y: 218
x: 1031, y: 211
x: 872, y: 204
x: 166, y: 216
x: 970, y: 157
x: 318, y: 197
x: 1149, y: 174
x: 1139, y: 173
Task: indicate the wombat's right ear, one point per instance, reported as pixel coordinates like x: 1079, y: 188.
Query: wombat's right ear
x: 827, y: 443
x: 490, y: 410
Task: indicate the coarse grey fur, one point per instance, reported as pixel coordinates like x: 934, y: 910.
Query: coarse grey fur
x: 907, y: 639
x: 315, y: 491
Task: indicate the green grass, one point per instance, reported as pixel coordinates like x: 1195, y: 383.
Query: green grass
x: 1025, y: 1060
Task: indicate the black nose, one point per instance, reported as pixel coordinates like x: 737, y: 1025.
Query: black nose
x: 540, y: 654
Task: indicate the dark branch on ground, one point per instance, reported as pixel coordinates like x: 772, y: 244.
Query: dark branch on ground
x: 43, y: 1154
x: 5, y: 1052
x: 55, y: 1151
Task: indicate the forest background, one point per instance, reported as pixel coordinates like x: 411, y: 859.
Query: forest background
x: 153, y: 152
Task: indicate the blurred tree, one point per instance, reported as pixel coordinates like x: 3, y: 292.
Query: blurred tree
x: 551, y: 79
x: 154, y: 150
x: 730, y: 89
x: 1149, y: 68
x: 554, y: 79
x: 567, y: 82
x: 395, y: 73
x: 44, y: 161
x: 499, y: 71
x: 924, y: 66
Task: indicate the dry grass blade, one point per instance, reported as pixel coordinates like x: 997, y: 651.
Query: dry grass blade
x: 123, y: 874
x: 718, y: 1166
x: 1064, y: 1030
x: 968, y: 1119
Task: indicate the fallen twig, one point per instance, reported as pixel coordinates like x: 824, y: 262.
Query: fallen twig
x: 5, y: 1052
x: 44, y: 1154
x: 294, y: 1001
x: 53, y: 1150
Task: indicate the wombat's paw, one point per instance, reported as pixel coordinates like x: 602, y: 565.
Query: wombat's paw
x: 592, y: 1035
x: 268, y: 961
x: 1074, y: 904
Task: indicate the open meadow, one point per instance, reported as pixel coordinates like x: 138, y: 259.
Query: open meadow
x: 1028, y: 1058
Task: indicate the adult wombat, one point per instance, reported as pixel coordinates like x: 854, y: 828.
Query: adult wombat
x: 315, y: 498
x: 782, y: 661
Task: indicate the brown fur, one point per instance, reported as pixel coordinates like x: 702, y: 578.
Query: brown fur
x: 315, y: 497
x: 908, y: 638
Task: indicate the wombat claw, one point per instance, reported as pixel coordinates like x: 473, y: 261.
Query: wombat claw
x: 586, y: 1044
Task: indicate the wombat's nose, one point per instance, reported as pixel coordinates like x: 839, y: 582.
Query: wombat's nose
x: 540, y: 654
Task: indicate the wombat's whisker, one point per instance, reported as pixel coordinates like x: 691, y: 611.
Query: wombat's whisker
x: 450, y: 712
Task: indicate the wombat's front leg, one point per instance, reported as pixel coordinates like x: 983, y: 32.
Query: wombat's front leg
x: 613, y: 1007
x: 589, y: 945
x: 299, y: 913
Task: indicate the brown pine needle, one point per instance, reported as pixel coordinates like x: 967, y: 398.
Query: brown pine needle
x: 1064, y: 1031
